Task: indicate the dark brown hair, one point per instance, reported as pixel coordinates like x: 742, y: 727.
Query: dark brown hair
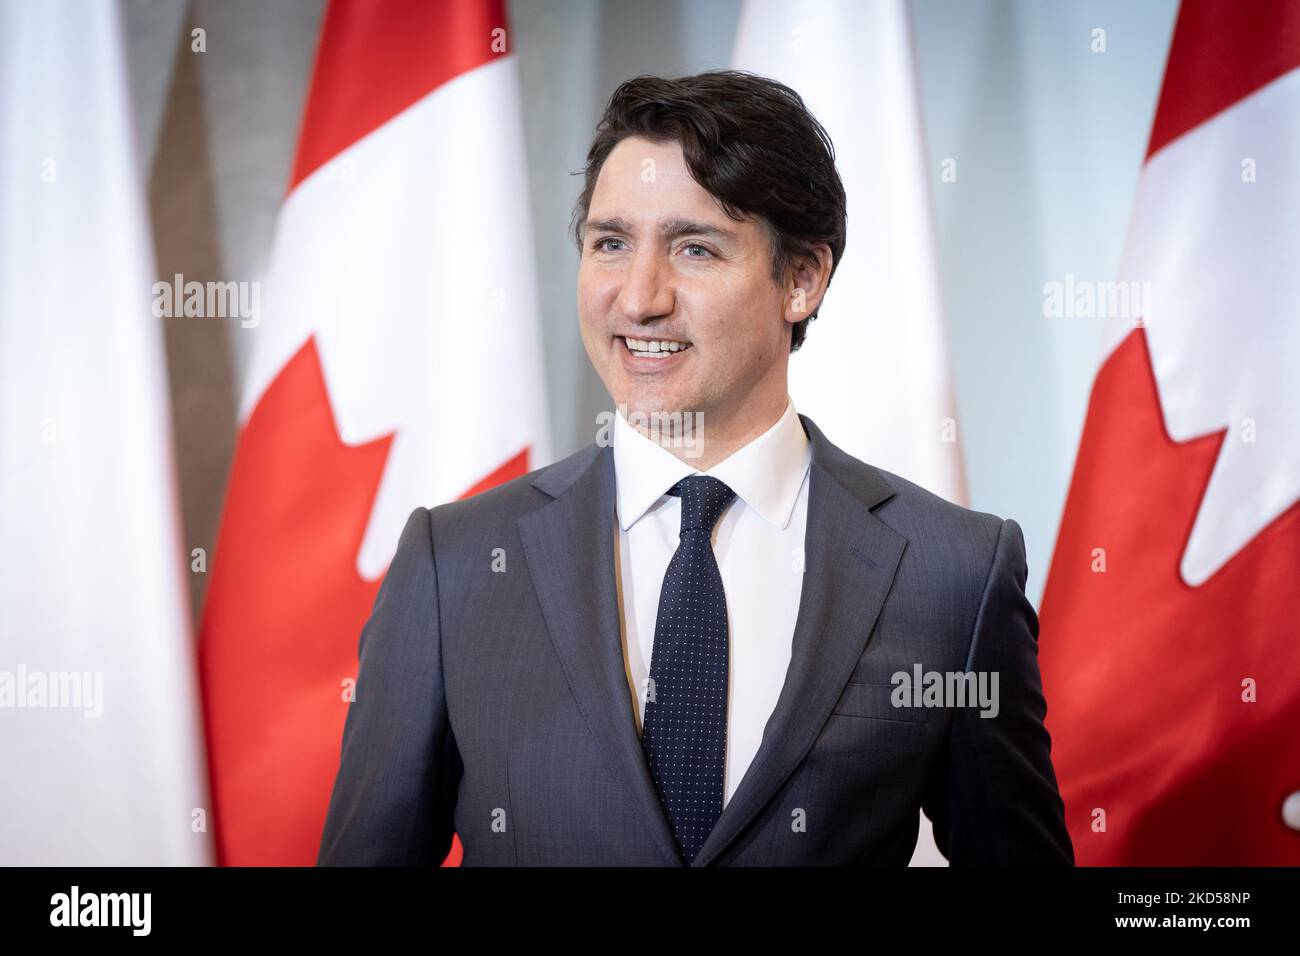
x: 751, y: 143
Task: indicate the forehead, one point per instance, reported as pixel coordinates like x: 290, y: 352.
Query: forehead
x: 641, y: 180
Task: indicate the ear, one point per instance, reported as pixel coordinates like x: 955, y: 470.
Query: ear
x: 806, y: 284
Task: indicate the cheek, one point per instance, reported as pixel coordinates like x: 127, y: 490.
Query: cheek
x: 749, y: 328
x: 595, y: 280
x: 594, y: 342
x: 585, y: 284
x: 590, y: 314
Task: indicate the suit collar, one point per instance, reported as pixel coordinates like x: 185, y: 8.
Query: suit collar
x: 863, y: 482
x: 851, y: 557
x: 766, y: 474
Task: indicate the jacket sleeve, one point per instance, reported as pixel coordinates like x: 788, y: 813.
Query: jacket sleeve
x: 395, y: 792
x: 997, y: 802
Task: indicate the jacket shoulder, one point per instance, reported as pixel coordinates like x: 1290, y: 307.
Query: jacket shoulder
x: 946, y: 538
x: 916, y: 505
x: 511, y: 499
x: 918, y: 514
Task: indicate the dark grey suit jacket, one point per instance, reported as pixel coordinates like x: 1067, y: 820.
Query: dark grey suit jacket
x: 495, y: 703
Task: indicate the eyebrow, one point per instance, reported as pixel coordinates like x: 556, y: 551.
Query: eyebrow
x: 669, y: 229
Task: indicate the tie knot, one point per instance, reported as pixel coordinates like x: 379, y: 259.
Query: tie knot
x: 703, y: 500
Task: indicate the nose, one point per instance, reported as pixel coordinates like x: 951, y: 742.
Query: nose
x: 647, y: 288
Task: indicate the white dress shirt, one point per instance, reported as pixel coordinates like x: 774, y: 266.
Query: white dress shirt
x: 758, y: 542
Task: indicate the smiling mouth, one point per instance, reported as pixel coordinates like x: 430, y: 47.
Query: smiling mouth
x: 659, y: 349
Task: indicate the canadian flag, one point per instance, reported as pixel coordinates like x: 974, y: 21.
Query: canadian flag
x: 397, y: 364
x: 874, y: 369
x: 1170, y: 637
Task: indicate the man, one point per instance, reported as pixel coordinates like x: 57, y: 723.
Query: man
x: 691, y: 646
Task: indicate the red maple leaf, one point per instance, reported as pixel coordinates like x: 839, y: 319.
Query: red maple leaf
x: 283, y: 615
x: 1144, y: 674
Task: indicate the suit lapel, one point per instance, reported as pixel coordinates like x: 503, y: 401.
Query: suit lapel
x: 569, y: 546
x: 850, y: 557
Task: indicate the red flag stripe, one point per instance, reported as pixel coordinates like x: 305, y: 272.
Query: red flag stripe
x: 1220, y: 53
x: 1133, y: 648
x: 286, y: 604
x: 282, y: 618
x: 369, y: 69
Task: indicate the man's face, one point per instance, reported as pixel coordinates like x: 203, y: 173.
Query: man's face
x: 661, y: 262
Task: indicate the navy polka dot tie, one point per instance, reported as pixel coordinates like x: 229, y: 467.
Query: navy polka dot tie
x: 685, y: 736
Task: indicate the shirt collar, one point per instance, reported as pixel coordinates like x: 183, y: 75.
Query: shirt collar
x: 766, y: 474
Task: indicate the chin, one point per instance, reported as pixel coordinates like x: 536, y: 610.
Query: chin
x: 655, y: 403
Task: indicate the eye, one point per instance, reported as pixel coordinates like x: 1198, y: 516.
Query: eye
x: 599, y: 244
x: 696, y: 245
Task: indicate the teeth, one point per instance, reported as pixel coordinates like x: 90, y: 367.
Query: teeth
x: 659, y: 348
